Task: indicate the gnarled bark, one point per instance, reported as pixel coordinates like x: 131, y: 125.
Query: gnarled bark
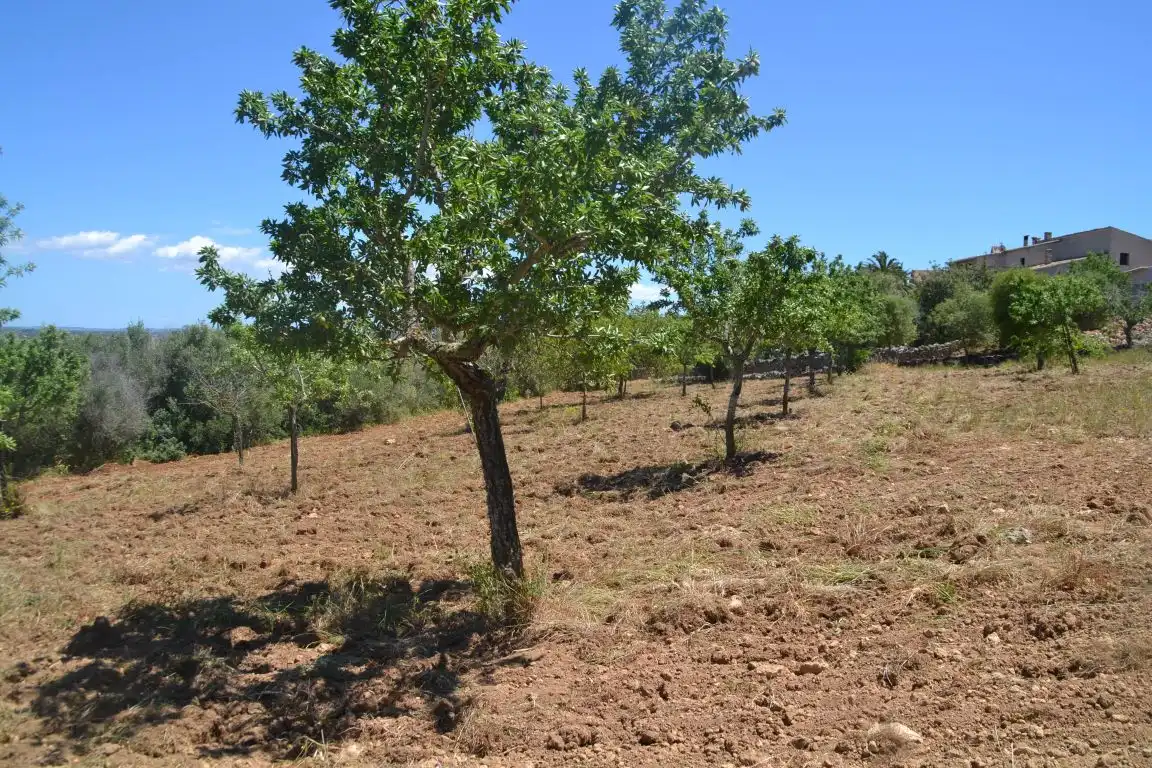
x: 481, y: 393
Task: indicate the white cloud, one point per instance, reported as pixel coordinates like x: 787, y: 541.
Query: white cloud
x: 643, y: 293
x: 94, y: 239
x: 190, y: 249
x: 130, y: 243
x: 96, y: 243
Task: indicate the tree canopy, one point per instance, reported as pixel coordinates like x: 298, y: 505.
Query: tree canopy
x: 459, y: 198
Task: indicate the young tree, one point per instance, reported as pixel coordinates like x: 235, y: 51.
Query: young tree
x: 1005, y: 287
x: 850, y: 322
x: 721, y: 293
x: 599, y: 353
x: 739, y: 303
x: 687, y: 347
x: 423, y: 235
x: 296, y: 378
x: 965, y: 317
x: 228, y: 382
x: 795, y: 282
x: 1122, y: 301
x: 1045, y: 313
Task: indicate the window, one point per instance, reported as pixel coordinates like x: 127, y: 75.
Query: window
x: 1123, y: 259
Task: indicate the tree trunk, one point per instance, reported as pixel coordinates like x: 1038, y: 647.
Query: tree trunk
x: 238, y: 439
x: 541, y: 403
x: 1070, y: 347
x: 481, y: 392
x: 733, y: 401
x: 583, y: 401
x: 293, y: 445
x: 464, y: 406
x: 1128, y: 335
x: 684, y: 380
x: 812, y: 371
x: 1040, y: 360
x: 787, y: 381
x: 711, y: 375
x: 831, y: 363
x: 4, y: 481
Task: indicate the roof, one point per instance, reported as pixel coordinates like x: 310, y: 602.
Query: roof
x: 1039, y: 243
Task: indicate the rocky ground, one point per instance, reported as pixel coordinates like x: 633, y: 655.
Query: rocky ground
x: 923, y: 567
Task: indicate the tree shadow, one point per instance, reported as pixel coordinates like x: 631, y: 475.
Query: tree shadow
x: 659, y: 481
x: 279, y: 673
x: 754, y: 420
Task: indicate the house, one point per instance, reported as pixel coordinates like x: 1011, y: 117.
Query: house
x: 1052, y: 255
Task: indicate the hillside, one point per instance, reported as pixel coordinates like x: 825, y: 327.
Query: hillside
x: 922, y: 567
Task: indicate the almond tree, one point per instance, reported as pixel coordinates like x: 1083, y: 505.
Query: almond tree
x: 724, y: 297
x: 793, y: 280
x: 458, y: 198
x: 294, y: 377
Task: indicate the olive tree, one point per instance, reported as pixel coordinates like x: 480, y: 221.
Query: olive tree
x: 967, y: 317
x: 458, y: 198
x: 1122, y: 300
x: 1045, y: 313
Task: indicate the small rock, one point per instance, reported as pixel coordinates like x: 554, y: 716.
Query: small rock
x: 993, y: 639
x: 239, y: 637
x: 1120, y: 718
x: 896, y: 733
x: 800, y: 742
x: 721, y: 657
x: 389, y: 441
x: 943, y: 509
x: 811, y: 668
x: 1017, y: 536
x: 769, y: 671
x: 108, y: 749
x: 648, y: 738
x: 736, y: 605
x: 556, y: 742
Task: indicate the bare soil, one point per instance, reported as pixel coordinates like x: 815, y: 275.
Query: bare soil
x: 924, y: 567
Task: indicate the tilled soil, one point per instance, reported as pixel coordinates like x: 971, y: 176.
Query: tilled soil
x: 919, y: 569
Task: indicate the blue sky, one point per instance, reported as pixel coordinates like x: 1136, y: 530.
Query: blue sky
x: 929, y: 130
